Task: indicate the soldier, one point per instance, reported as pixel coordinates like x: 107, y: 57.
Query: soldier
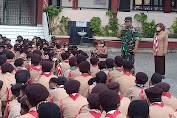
x: 129, y: 40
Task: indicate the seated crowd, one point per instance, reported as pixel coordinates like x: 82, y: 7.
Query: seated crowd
x: 39, y: 79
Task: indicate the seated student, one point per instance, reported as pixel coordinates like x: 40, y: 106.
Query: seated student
x: 110, y: 101
x: 81, y: 58
x: 101, y: 77
x: 64, y: 65
x: 94, y: 66
x: 94, y: 52
x: 124, y: 101
x: 84, y: 68
x: 22, y: 76
x: 118, y: 71
x: 110, y: 67
x: 156, y: 78
x: 58, y: 92
x: 46, y: 74
x: 71, y: 104
x: 138, y: 109
x: 102, y: 67
x: 94, y: 106
x: 103, y: 50
x: 127, y: 80
x: 156, y: 107
x: 36, y: 93
x: 37, y: 52
x: 167, y: 98
x: 19, y: 64
x: 7, y: 77
x: 137, y: 92
x: 24, y: 106
x: 35, y: 68
x: 73, y: 71
x: 59, y: 49
x: 13, y: 107
x: 65, y: 47
x: 10, y: 57
x: 48, y: 110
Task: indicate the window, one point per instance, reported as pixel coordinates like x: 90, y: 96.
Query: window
x: 148, y: 5
x: 173, y: 5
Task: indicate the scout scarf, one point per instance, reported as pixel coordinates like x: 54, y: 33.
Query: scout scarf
x: 114, y: 114
x: 74, y: 96
x: 167, y: 95
x: 95, y: 114
x: 156, y: 44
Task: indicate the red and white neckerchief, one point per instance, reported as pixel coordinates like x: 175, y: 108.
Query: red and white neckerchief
x: 94, y: 65
x: 9, y: 61
x: 17, y: 69
x: 121, y: 96
x: 95, y: 113
x: 156, y: 44
x: 34, y: 113
x: 61, y: 86
x: 85, y: 75
x: 74, y: 96
x: 119, y: 69
x: 167, y: 95
x: 37, y: 68
x: 59, y: 69
x: 113, y: 113
x: 47, y: 74
x: 128, y: 73
x: 158, y: 103
x: 66, y: 61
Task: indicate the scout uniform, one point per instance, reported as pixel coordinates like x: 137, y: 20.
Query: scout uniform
x: 158, y: 109
x: 94, y: 70
x: 116, y: 73
x: 128, y: 39
x: 31, y: 114
x: 62, y: 67
x: 93, y: 113
x: 126, y: 81
x: 72, y: 73
x: 71, y: 105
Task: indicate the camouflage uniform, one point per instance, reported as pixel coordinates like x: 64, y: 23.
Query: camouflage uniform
x: 128, y: 39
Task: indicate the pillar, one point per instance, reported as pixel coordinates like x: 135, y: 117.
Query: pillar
x: 114, y: 5
x: 167, y: 6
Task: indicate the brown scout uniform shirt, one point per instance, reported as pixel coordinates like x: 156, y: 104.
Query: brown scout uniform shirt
x: 124, y: 104
x: 83, y: 79
x: 44, y: 79
x: 63, y: 66
x: 14, y: 109
x: 126, y: 81
x: 72, y: 73
x: 115, y: 113
x: 136, y: 93
x: 88, y: 91
x: 93, y: 113
x: 94, y: 70
x: 71, y: 105
x: 35, y: 72
x: 159, y: 110
x: 117, y: 72
x: 29, y: 115
x: 169, y: 100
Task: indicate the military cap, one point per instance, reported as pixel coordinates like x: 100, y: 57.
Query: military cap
x: 128, y: 19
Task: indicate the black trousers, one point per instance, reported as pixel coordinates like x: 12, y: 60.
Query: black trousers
x: 160, y: 64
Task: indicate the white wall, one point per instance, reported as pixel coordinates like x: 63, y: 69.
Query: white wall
x: 85, y: 15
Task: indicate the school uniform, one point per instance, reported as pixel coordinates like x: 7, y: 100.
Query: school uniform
x: 31, y: 114
x: 44, y: 79
x: 13, y: 109
x: 72, y: 73
x: 159, y: 110
x: 10, y: 61
x: 19, y: 68
x: 160, y: 47
x: 107, y: 72
x: 124, y: 104
x: 117, y: 72
x: 126, y: 81
x: 71, y: 105
x: 93, y: 113
x: 114, y: 114
x: 35, y: 71
x: 62, y: 67
x: 169, y: 100
x: 136, y: 93
x: 88, y: 91
x: 57, y: 94
x: 83, y: 79
x: 94, y: 69
x: 7, y: 79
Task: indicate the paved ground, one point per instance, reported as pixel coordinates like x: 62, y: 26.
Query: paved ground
x: 145, y: 63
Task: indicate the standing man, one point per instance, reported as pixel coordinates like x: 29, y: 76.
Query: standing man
x: 129, y: 40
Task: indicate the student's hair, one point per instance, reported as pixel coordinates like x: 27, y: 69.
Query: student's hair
x: 141, y: 78
x: 65, y: 55
x: 9, y: 54
x: 22, y: 76
x: 84, y: 67
x: 156, y: 78
x: 1, y: 84
x: 110, y: 63
x: 37, y: 52
x: 53, y: 80
x: 94, y: 102
x: 16, y: 89
x: 81, y: 58
x: 73, y: 61
x: 152, y: 100
x: 23, y: 87
x: 19, y: 62
x: 3, y: 59
x: 47, y: 66
x: 72, y: 86
x: 118, y: 61
x: 61, y: 80
x: 58, y: 46
x: 113, y: 86
x: 102, y: 65
x: 35, y: 59
x: 24, y: 106
x: 94, y: 60
x: 127, y: 65
x: 7, y: 68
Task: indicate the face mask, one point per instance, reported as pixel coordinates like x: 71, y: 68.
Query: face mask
x: 65, y: 49
x: 102, y: 45
x: 158, y: 29
x: 54, y: 59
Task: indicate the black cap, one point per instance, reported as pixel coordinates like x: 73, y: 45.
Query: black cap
x: 128, y: 19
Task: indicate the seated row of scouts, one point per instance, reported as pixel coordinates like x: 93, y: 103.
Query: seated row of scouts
x: 42, y: 80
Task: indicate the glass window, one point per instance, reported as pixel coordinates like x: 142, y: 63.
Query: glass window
x: 174, y: 5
